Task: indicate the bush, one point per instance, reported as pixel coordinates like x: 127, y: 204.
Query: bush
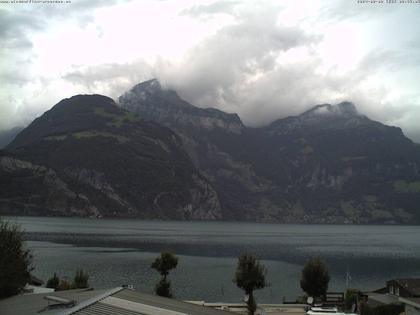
x: 53, y: 282
x: 15, y: 260
x: 390, y: 309
x: 365, y: 309
x: 81, y: 279
x: 64, y: 285
x: 350, y: 298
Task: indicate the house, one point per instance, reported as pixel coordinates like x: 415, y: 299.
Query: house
x: 409, y: 287
x: 398, y: 291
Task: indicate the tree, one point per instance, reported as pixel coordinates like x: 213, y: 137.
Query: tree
x: 15, y: 260
x: 163, y: 264
x: 249, y: 276
x: 53, y: 282
x: 81, y: 279
x: 315, y: 278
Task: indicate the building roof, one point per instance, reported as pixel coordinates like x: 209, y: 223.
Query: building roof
x: 31, y: 304
x: 118, y: 301
x: 412, y: 285
x: 130, y: 302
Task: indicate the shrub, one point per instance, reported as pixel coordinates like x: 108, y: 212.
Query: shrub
x: 81, y: 279
x: 53, y: 282
x: 350, y: 298
x: 15, y: 260
x: 64, y: 285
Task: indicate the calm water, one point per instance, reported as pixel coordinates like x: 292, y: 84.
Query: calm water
x: 116, y: 252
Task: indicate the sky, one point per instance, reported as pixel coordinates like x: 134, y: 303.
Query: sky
x: 264, y: 59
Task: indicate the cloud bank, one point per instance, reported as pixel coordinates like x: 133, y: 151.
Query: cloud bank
x: 263, y: 60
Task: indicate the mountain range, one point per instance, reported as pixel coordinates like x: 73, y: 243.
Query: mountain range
x: 153, y: 155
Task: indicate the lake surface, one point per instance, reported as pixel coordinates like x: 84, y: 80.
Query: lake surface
x: 116, y: 252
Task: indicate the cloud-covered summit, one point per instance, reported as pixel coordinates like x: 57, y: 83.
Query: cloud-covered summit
x: 263, y: 60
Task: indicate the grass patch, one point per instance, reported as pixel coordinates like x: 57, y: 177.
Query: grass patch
x: 117, y: 120
x: 56, y: 138
x: 92, y: 134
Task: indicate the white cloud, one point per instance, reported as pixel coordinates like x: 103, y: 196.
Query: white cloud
x: 262, y: 59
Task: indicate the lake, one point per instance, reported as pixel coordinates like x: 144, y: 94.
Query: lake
x: 116, y: 252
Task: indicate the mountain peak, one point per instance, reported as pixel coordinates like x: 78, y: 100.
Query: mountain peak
x: 152, y: 85
x: 70, y: 115
x: 341, y: 109
x: 321, y: 117
x: 151, y: 91
x: 152, y: 102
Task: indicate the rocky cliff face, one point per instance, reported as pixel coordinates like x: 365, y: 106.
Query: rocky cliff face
x: 328, y: 165
x: 31, y: 189
x: 86, y: 156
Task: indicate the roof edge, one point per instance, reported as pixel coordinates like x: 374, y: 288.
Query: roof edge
x: 91, y: 301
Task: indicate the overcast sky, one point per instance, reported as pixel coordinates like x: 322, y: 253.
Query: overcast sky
x: 262, y: 59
